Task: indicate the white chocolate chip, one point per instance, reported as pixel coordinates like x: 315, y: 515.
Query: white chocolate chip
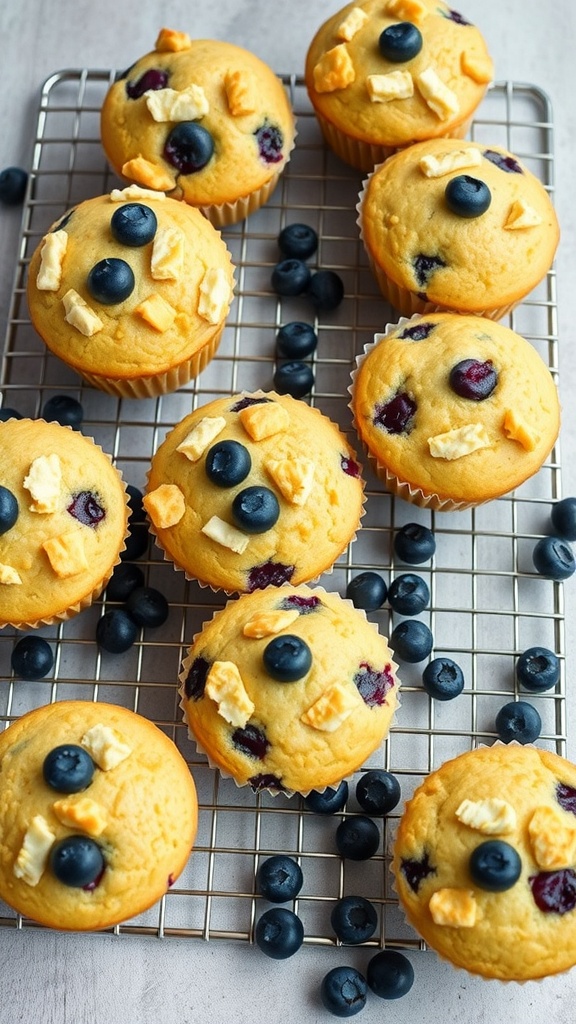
x: 453, y: 908
x: 188, y: 104
x: 165, y: 505
x: 293, y: 477
x: 105, y: 746
x: 214, y: 296
x: 438, y: 96
x: 437, y: 166
x: 225, y: 687
x: 8, y: 575
x: 491, y: 816
x: 521, y: 216
x: 66, y: 554
x: 33, y: 854
x: 334, y: 70
x: 264, y: 419
x: 134, y: 192
x: 552, y: 839
x: 352, y: 24
x: 51, y: 257
x: 80, y: 315
x: 44, y: 481
x: 269, y: 623
x: 331, y: 709
x: 226, y: 535
x: 167, y: 259
x: 396, y: 85
x: 201, y: 436
x: 454, y: 444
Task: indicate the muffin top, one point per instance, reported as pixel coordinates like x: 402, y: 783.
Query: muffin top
x: 204, y: 120
x: 289, y: 689
x: 423, y: 77
x: 460, y: 224
x: 505, y: 910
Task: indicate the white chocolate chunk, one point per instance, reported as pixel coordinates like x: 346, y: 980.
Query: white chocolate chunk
x: 352, y: 24
x: 453, y: 908
x: 157, y: 312
x: 105, y: 746
x: 81, y: 812
x: 269, y: 623
x: 437, y: 166
x: 552, y: 839
x: 201, y: 436
x: 226, y: 535
x: 241, y: 88
x: 33, y: 854
x: 396, y: 85
x: 225, y: 687
x: 492, y: 816
x: 521, y: 215
x: 44, y: 481
x: 264, y: 419
x: 134, y: 192
x: 165, y: 505
x: 8, y: 575
x: 80, y: 315
x: 149, y: 174
x: 293, y: 477
x: 477, y: 66
x: 171, y: 41
x: 334, y: 70
x: 66, y: 554
x: 188, y: 104
x: 214, y: 296
x: 331, y: 709
x: 407, y: 10
x: 51, y: 257
x: 167, y: 259
x: 439, y: 97
x: 518, y: 430
x: 454, y: 444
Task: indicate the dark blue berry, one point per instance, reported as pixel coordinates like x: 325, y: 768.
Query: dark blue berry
x: 195, y: 682
x: 415, y: 871
x: 538, y: 669
x: 189, y: 147
x: 228, y: 463
x: 554, y: 892
x: 152, y: 80
x: 116, y: 631
x: 255, y: 509
x: 287, y: 658
x: 147, y: 606
x: 13, y: 181
x: 270, y: 142
x: 133, y: 224
x: 298, y: 240
x: 76, y: 861
x: 111, y: 281
x: 553, y: 558
x: 454, y: 16
x: 136, y: 542
x: 400, y: 42
x: 279, y: 879
x: 503, y: 161
x: 87, y: 509
x: 6, y: 413
x: 328, y: 801
x: 495, y: 865
x: 424, y: 267
x: 68, y: 768
x: 443, y: 679
x: 296, y: 379
x: 63, y: 409
x: 563, y: 516
x: 518, y: 721
x: 357, y: 837
x: 408, y: 594
x: 354, y: 919
x: 32, y: 658
x: 125, y: 578
x: 343, y: 991
x: 326, y: 289
x: 250, y: 740
x: 269, y: 574
x: 367, y: 591
x: 397, y: 414
x: 135, y: 504
x: 419, y: 331
x: 472, y: 379
x: 467, y: 196
x: 279, y: 933
x: 411, y: 641
x: 414, y: 543
x: 8, y: 509
x: 390, y: 974
x: 296, y: 340
x: 290, y: 277
x: 373, y: 684
x: 378, y: 791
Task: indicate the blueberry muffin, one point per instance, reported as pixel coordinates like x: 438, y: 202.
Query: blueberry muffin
x: 202, y: 120
x: 289, y: 689
x: 63, y: 522
x: 463, y: 227
x: 132, y: 290
x: 485, y: 862
x: 254, y: 489
x: 98, y: 815
x: 454, y: 410
x: 384, y: 74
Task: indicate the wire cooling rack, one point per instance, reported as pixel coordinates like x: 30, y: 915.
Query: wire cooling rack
x: 487, y: 604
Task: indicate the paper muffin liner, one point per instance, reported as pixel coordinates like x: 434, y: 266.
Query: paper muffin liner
x: 288, y: 793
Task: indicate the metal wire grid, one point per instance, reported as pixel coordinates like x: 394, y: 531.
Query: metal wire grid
x: 487, y: 604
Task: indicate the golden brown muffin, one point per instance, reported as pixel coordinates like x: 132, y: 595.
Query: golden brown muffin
x: 132, y: 291
x: 289, y: 689
x: 69, y: 524
x: 254, y: 489
x: 505, y: 910
x: 383, y: 75
x: 92, y: 836
x: 432, y: 241
x: 454, y: 410
x: 202, y: 120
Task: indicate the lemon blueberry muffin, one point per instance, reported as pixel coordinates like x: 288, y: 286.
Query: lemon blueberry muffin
x: 454, y: 410
x: 384, y: 74
x: 63, y: 522
x: 464, y: 227
x: 485, y: 862
x: 132, y: 290
x: 254, y: 489
x: 98, y: 815
x: 289, y: 689
x: 202, y: 120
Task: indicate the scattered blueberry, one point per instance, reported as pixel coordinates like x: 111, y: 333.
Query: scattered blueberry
x: 538, y: 669
x: 6, y: 413
x: 400, y: 42
x: 415, y: 871
x: 414, y: 543
x: 373, y: 684
x: 354, y: 919
x: 76, y: 861
x: 298, y: 602
x: 63, y: 409
x: 553, y: 558
x: 152, y: 80
x: 269, y: 574
x: 329, y: 801
x: 13, y: 181
x: 443, y: 679
x: 279, y: 933
x: 290, y: 277
x: 296, y: 379
x: 195, y: 682
x: 390, y: 974
x: 68, y: 768
x: 228, y: 463
x: 503, y: 161
x: 326, y: 290
x: 116, y: 631
x: 357, y: 837
x: 32, y: 658
x: 255, y: 509
x: 147, y: 606
x: 472, y: 379
x: 287, y: 658
x: 251, y: 741
x: 518, y: 721
x: 8, y: 509
x: 86, y: 508
x: 367, y: 591
x: 296, y: 340
x: 270, y: 142
x: 298, y: 240
x: 554, y: 892
x: 125, y: 578
x: 397, y: 414
x: 343, y: 991
x: 563, y: 516
x: 495, y: 865
x: 411, y: 641
x: 418, y: 331
x: 467, y: 196
x: 133, y: 224
x: 378, y: 791
x: 189, y: 147
x: 111, y: 281
x: 408, y: 594
x: 425, y: 266
x: 279, y: 879
x: 136, y: 542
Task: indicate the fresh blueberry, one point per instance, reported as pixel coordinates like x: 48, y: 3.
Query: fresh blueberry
x: 8, y: 509
x: 473, y: 379
x: 378, y: 791
x: 411, y: 641
x: 279, y: 879
x: 13, y: 181
x: 147, y: 606
x: 563, y: 516
x: 298, y: 240
x: 279, y: 933
x: 296, y: 379
x: 63, y: 409
x: 6, y: 413
x: 68, y: 768
x: 357, y: 837
x: 87, y: 509
x: 135, y: 504
x: 287, y: 658
x: 396, y: 415
x: 189, y: 147
x: 400, y: 42
x: 125, y: 578
x: 390, y: 974
x: 354, y: 919
x: 408, y: 594
x: 32, y: 658
x: 228, y: 463
x: 136, y: 542
x: 326, y: 289
x: 328, y: 801
x: 414, y: 543
x: 367, y: 591
x: 151, y: 81
x: 133, y: 224
x: 116, y: 631
x: 255, y: 509
x: 270, y: 142
x: 76, y: 861
x: 518, y: 721
x: 495, y: 865
x: 553, y: 558
x: 296, y: 340
x: 467, y: 196
x: 111, y: 281
x: 538, y: 669
x: 343, y: 991
x: 443, y: 679
x: 290, y: 277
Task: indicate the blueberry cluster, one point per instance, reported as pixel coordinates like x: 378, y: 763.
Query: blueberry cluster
x: 76, y: 860
x: 537, y: 670
x: 553, y: 556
